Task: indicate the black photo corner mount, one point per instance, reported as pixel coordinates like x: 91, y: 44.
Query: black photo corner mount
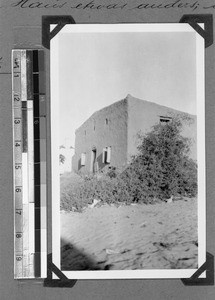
x: 207, y: 267
x: 63, y: 281
x: 195, y: 20
x: 207, y: 33
x: 47, y: 35
x: 192, y: 20
x: 59, y: 21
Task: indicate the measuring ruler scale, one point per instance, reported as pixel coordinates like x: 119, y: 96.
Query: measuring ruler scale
x: 29, y: 160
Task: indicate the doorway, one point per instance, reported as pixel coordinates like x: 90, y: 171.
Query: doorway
x: 93, y: 161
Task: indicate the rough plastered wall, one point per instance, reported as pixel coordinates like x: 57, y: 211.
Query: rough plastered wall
x: 105, y: 128
x: 142, y: 115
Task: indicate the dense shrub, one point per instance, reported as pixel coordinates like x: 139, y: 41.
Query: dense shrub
x: 162, y: 167
x: 107, y: 189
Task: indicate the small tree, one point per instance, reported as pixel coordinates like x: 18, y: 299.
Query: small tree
x: 162, y: 167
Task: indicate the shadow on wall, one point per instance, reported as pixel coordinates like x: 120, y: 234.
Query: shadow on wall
x: 79, y: 164
x: 73, y: 259
x: 100, y: 163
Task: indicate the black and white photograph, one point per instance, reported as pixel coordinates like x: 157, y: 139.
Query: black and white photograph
x: 127, y: 145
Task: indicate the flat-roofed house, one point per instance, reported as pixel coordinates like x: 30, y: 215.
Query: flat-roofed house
x: 109, y: 137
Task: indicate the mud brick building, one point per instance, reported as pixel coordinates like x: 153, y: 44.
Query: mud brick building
x: 109, y: 137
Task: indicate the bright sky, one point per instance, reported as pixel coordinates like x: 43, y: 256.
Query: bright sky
x: 97, y: 69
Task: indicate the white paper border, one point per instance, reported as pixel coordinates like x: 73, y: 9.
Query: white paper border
x: 200, y: 71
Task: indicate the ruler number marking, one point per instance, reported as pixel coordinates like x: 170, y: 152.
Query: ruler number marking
x: 17, y: 121
x: 19, y: 258
x: 16, y: 63
x: 19, y: 212
x: 17, y: 144
x: 16, y: 98
x: 18, y: 235
x: 18, y: 190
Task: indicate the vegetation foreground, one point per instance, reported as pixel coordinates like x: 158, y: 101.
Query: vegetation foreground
x: 162, y: 169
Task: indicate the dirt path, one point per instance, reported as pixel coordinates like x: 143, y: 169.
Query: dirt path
x: 161, y: 236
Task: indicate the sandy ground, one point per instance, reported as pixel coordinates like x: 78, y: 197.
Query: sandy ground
x: 160, y: 236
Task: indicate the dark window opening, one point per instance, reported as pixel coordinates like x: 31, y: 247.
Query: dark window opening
x: 106, y: 155
x: 106, y: 121
x: 94, y: 165
x: 165, y: 119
